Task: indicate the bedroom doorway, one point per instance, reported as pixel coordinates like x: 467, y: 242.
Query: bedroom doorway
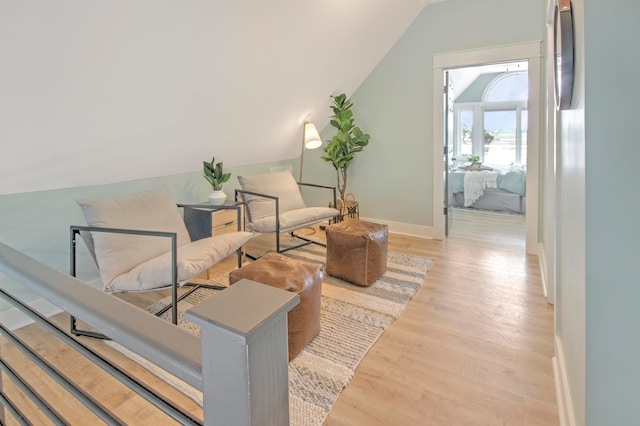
x: 486, y: 131
x: 529, y: 53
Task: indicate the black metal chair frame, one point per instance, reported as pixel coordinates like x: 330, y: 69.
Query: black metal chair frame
x: 75, y: 231
x: 306, y: 241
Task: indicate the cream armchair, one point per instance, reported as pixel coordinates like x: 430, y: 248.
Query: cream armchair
x: 140, y: 242
x: 274, y: 205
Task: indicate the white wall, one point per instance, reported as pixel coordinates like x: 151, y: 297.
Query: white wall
x: 99, y: 92
x: 570, y: 308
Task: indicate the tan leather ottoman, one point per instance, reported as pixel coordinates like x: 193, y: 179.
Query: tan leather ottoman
x: 357, y: 251
x: 303, y: 278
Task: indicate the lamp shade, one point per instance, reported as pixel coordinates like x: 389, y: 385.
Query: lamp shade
x: 311, y: 136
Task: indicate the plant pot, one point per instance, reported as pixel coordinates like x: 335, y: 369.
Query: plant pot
x: 217, y: 197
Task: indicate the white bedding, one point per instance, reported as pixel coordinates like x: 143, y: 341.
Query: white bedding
x: 475, y: 184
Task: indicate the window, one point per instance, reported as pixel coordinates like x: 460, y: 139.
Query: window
x: 508, y: 87
x: 505, y: 140
x: 495, y: 127
x: 465, y: 143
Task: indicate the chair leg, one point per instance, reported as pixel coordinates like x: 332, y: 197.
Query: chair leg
x: 78, y: 332
x: 310, y: 241
x: 174, y: 314
x: 279, y: 248
x: 306, y: 242
x: 193, y: 288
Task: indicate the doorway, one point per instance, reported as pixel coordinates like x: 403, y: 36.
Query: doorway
x: 526, y: 52
x: 486, y: 137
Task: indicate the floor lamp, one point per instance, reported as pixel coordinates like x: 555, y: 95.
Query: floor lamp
x: 310, y: 140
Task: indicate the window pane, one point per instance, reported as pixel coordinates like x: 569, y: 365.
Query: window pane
x: 466, y: 133
x: 512, y: 87
x: 500, y: 137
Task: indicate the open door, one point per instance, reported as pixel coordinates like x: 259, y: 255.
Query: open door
x: 448, y: 150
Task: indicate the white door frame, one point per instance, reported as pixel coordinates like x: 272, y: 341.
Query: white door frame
x: 531, y: 52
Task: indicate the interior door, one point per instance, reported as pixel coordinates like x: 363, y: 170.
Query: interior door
x: 448, y: 150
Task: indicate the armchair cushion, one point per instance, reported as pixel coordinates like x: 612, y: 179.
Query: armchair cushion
x: 193, y: 259
x: 293, y: 219
x: 153, y: 210
x: 277, y: 184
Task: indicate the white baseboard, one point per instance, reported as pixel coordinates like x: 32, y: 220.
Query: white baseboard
x: 13, y: 318
x: 563, y: 392
x: 542, y: 261
x: 407, y: 228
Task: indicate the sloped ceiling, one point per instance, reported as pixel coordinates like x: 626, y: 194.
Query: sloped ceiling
x: 99, y: 92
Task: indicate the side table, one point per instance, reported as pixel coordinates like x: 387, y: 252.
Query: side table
x: 200, y: 222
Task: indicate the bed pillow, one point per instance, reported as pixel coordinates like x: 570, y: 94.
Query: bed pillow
x: 278, y: 184
x: 513, y: 181
x: 153, y: 210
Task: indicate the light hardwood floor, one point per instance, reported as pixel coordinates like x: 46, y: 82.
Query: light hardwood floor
x: 473, y: 347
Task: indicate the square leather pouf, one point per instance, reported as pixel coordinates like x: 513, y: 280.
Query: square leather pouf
x: 357, y: 251
x: 303, y: 278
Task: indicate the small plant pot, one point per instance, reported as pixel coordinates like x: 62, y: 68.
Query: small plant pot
x: 217, y: 197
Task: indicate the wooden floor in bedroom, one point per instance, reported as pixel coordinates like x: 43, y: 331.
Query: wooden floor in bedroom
x: 473, y: 347
x: 495, y: 227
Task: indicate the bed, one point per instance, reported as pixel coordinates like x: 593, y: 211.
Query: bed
x: 495, y: 190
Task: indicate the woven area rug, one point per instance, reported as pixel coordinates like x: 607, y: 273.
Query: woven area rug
x: 352, y: 319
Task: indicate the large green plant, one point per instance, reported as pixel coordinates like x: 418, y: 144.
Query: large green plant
x: 214, y: 174
x: 346, y: 143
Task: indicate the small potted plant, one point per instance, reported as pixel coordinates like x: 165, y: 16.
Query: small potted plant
x: 475, y: 162
x: 214, y: 174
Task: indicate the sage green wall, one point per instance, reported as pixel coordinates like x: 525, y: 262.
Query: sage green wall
x: 598, y: 240
x: 392, y: 177
x: 612, y: 43
x: 37, y: 223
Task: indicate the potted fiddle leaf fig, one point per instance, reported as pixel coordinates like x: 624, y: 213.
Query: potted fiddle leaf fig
x: 215, y: 175
x: 348, y: 140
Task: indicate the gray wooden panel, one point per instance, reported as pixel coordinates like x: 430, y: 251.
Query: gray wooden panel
x: 245, y: 354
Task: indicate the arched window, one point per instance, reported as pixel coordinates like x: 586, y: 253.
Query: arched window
x: 512, y: 86
x: 494, y: 126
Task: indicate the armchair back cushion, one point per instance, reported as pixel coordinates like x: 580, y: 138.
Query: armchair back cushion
x: 277, y: 184
x: 153, y: 210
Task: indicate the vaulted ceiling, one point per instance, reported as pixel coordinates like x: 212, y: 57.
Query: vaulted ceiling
x: 97, y: 92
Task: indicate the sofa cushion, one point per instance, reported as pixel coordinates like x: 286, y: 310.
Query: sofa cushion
x: 277, y: 184
x: 153, y: 210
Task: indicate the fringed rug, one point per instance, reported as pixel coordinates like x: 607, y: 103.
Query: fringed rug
x: 352, y: 319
